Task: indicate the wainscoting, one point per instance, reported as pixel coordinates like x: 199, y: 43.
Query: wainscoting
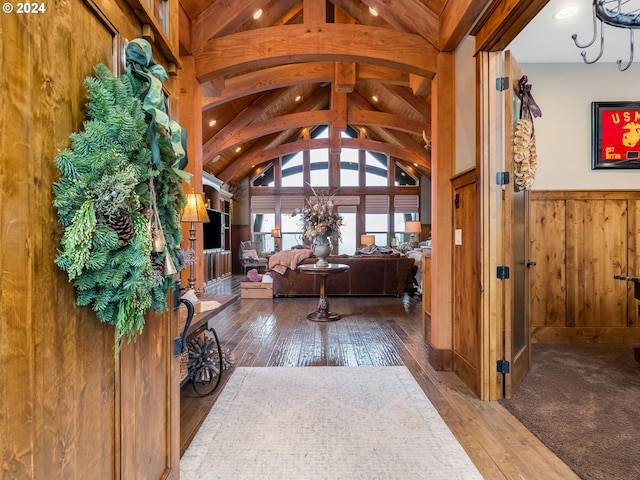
x: 579, y: 241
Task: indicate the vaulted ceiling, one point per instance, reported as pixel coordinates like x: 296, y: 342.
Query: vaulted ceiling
x: 268, y: 81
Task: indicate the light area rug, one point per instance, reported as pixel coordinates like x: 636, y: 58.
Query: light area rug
x: 308, y: 423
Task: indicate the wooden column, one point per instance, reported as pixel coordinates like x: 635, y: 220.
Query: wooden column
x: 439, y: 332
x: 190, y: 117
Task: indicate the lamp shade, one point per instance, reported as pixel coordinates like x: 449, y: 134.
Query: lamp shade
x: 412, y: 227
x: 275, y: 233
x: 367, y: 239
x: 194, y: 210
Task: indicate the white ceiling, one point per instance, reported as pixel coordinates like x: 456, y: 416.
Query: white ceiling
x: 547, y: 40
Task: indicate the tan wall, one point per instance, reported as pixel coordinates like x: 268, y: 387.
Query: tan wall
x: 579, y: 241
x: 66, y: 404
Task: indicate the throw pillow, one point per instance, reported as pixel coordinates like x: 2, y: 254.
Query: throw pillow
x: 251, y: 253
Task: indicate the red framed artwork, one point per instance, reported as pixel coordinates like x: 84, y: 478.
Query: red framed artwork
x: 615, y: 135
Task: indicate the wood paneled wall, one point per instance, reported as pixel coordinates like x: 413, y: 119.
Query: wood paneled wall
x: 68, y: 407
x: 579, y: 241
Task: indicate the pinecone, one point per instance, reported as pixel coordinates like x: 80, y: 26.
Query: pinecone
x: 123, y: 226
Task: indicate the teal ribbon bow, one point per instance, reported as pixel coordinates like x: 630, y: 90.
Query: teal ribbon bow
x: 140, y: 64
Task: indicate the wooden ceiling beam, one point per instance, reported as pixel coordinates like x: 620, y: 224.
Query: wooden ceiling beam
x: 416, y: 104
x: 222, y: 18
x: 304, y: 119
x: 314, y: 11
x: 210, y: 148
x: 360, y: 13
x: 287, y: 75
x: 357, y: 101
x: 318, y: 101
x: 502, y: 22
x: 345, y: 75
x: 271, y: 46
x: 229, y: 138
x: 419, y: 85
x: 339, y: 107
x: 387, y: 120
x: 409, y: 16
x: 456, y: 20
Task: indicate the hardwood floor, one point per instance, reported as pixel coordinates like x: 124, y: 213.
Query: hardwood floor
x: 373, y: 331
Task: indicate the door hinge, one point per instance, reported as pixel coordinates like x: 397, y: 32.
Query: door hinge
x: 503, y: 366
x: 456, y: 202
x: 502, y: 83
x: 502, y: 178
x: 502, y: 272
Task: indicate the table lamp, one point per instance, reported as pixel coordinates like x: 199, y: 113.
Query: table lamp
x: 366, y: 240
x: 194, y: 212
x: 275, y: 233
x: 412, y: 227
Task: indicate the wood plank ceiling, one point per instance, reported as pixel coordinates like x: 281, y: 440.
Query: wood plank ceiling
x: 268, y: 81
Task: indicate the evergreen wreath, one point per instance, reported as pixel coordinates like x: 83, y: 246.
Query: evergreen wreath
x: 105, y: 206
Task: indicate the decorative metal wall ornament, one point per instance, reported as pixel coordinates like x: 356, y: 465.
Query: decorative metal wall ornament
x: 611, y: 12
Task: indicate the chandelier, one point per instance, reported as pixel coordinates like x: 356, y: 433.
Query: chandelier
x: 617, y: 13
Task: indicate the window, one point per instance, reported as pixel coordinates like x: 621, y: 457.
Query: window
x: 406, y: 209
x: 261, y: 226
x: 377, y: 172
x: 291, y: 167
x: 403, y: 177
x: 266, y: 178
x: 348, y: 244
x: 290, y: 227
x: 319, y: 165
x: 377, y: 224
x: 349, y: 167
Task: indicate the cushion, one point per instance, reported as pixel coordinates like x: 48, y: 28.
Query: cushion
x: 251, y: 253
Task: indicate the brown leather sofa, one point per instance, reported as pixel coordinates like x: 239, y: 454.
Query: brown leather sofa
x: 367, y: 275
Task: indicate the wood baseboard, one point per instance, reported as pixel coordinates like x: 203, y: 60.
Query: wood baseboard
x: 439, y: 359
x: 585, y: 335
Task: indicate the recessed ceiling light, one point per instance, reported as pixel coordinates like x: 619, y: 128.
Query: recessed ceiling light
x: 565, y: 12
x: 257, y: 14
x: 298, y: 98
x: 415, y: 164
x: 374, y: 98
x: 238, y: 149
x: 212, y: 122
x: 373, y: 11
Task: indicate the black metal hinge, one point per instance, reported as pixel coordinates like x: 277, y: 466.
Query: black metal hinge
x: 502, y: 272
x: 502, y: 178
x: 502, y: 83
x: 503, y: 366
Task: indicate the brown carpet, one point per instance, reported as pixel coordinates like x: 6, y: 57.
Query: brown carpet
x: 583, y: 402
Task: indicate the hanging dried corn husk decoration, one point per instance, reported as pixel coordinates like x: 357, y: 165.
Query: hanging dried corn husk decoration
x: 525, y: 156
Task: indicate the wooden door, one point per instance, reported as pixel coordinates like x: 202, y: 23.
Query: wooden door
x: 70, y: 409
x: 466, y: 302
x: 517, y: 334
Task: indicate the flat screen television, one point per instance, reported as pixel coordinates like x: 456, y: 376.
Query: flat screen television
x: 212, y: 237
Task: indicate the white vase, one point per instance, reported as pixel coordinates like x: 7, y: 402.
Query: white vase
x: 321, y: 248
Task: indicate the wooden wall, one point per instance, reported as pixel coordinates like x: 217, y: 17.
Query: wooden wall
x: 68, y: 408
x: 579, y: 241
